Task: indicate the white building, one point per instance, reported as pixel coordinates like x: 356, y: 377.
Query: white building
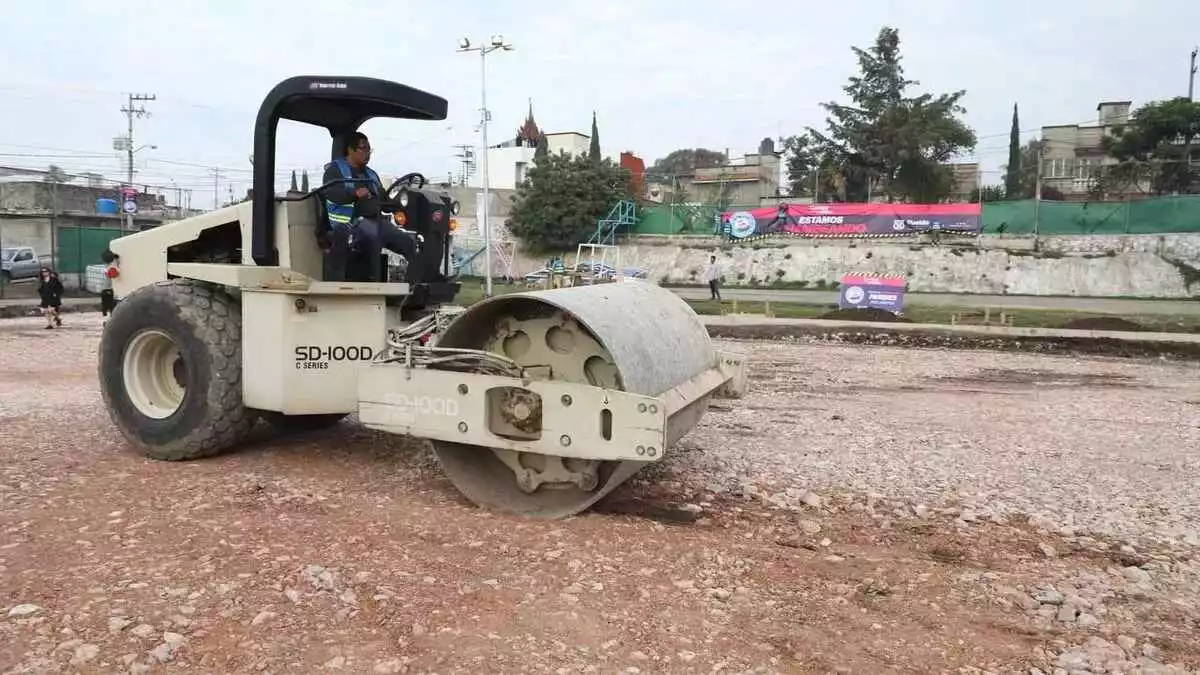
x: 508, y: 162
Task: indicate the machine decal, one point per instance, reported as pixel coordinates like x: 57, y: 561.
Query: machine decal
x: 315, y: 357
x: 409, y: 407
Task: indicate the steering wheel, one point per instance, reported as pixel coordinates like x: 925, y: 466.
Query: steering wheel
x: 408, y: 179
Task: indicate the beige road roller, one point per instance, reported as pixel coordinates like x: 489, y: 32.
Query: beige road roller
x: 538, y: 403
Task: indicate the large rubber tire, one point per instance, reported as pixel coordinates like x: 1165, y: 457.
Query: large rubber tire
x: 205, y: 326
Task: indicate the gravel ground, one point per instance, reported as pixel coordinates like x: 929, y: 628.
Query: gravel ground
x: 1084, y: 445
x: 865, y: 509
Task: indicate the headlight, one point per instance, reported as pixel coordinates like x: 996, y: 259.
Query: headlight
x: 454, y: 207
x: 403, y: 197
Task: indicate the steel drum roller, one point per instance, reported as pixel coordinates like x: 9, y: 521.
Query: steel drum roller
x: 631, y: 336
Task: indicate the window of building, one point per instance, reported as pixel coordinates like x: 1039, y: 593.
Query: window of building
x: 1057, y: 167
x: 1086, y: 167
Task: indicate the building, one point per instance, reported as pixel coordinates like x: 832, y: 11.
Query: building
x: 1072, y: 154
x: 509, y: 161
x: 751, y: 181
x: 966, y: 181
x: 637, y: 169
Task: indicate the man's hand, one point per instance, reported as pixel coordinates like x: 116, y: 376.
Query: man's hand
x: 361, y: 192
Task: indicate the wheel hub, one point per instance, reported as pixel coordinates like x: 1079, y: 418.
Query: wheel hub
x: 558, y: 348
x: 155, y: 374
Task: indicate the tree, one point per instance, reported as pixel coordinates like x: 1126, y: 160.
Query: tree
x: 1029, y: 155
x: 886, y: 137
x: 988, y: 193
x: 594, y: 149
x: 685, y: 161
x: 543, y: 147
x: 304, y: 180
x: 801, y: 162
x: 294, y: 187
x: 1012, y: 175
x: 55, y: 174
x: 563, y: 197
x: 1153, y: 148
x: 804, y: 164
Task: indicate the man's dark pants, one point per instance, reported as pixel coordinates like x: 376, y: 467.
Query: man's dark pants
x: 372, y: 236
x: 712, y: 288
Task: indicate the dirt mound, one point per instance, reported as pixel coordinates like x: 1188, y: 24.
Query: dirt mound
x: 863, y: 314
x: 1104, y: 323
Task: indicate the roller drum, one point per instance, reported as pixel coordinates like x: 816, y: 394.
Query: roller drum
x: 631, y: 336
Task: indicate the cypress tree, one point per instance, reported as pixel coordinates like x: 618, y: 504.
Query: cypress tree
x: 1012, y: 176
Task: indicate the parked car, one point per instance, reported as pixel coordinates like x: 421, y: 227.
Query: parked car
x: 19, y: 262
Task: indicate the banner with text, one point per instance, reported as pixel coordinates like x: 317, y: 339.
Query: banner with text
x: 852, y: 220
x: 860, y: 291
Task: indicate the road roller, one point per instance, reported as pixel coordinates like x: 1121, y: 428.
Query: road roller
x: 537, y: 403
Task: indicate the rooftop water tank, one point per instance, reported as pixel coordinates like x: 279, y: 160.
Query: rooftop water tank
x: 107, y: 206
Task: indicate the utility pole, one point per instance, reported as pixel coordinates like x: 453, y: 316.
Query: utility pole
x: 1192, y: 74
x: 216, y: 172
x: 464, y: 45
x: 466, y: 156
x: 1037, y: 191
x: 1187, y: 146
x: 131, y: 112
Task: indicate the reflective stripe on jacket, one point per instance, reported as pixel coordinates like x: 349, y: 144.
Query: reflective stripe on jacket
x: 342, y: 213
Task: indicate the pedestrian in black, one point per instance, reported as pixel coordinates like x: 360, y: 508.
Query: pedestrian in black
x: 50, y: 289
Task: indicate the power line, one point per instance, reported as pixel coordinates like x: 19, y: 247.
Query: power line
x: 466, y: 155
x: 131, y: 112
x: 216, y: 176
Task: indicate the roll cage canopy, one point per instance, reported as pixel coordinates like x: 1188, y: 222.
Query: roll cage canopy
x: 339, y: 104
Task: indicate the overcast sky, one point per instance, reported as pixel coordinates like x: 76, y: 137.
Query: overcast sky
x: 659, y: 75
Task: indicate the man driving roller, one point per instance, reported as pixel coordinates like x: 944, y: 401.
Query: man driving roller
x: 354, y: 208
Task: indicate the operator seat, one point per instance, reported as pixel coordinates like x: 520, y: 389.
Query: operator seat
x: 339, y: 261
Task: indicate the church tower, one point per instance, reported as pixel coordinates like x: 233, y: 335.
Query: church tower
x: 529, y: 133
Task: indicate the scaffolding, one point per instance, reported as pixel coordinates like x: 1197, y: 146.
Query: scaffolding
x: 467, y: 254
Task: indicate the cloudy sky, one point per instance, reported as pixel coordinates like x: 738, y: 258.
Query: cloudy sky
x: 659, y: 75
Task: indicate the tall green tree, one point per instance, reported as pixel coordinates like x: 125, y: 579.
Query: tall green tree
x: 562, y: 199
x: 594, y: 149
x: 1012, y: 174
x: 1153, y: 148
x: 294, y: 186
x: 1026, y: 170
x: 304, y: 180
x: 806, y: 169
x: 543, y: 147
x: 886, y: 137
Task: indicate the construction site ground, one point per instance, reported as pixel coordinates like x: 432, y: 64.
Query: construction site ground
x: 867, y: 508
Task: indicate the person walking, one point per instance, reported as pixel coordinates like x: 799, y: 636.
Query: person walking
x: 712, y: 274
x: 50, y: 289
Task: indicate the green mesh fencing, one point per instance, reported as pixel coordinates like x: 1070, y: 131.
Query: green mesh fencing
x: 699, y: 219
x: 1144, y: 216
x: 1159, y: 215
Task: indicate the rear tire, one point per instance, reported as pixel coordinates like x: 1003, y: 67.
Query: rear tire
x: 170, y: 370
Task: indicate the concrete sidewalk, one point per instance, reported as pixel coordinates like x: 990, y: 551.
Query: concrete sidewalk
x: 809, y: 326
x: 33, y: 302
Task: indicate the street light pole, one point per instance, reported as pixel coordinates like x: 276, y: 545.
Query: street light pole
x: 464, y: 45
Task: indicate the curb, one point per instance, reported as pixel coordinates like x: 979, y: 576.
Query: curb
x: 1184, y: 346
x: 22, y: 311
